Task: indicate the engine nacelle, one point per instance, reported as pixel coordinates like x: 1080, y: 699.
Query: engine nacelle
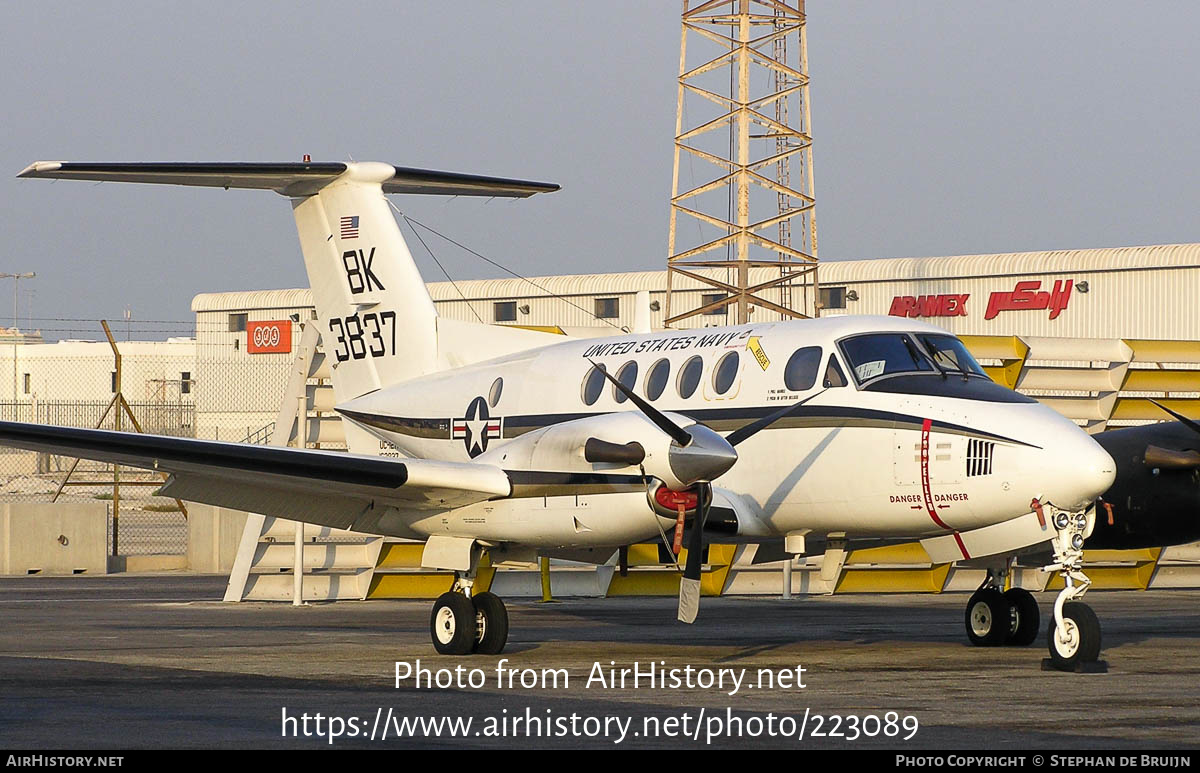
x: 563, y: 448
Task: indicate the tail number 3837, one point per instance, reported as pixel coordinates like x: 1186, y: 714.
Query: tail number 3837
x: 356, y: 336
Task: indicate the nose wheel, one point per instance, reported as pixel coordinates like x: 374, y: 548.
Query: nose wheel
x: 1078, y: 641
x: 461, y: 624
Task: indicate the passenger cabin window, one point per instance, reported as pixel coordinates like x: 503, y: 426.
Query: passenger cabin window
x: 689, y: 377
x: 627, y: 376
x: 608, y: 308
x: 504, y: 311
x: 656, y: 379
x: 593, y: 385
x: 951, y: 354
x: 834, y: 377
x: 882, y: 354
x: 725, y: 372
x: 800, y: 373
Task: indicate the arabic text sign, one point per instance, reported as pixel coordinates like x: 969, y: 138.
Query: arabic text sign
x: 1028, y: 296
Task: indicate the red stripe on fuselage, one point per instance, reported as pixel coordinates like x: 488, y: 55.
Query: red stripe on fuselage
x: 925, y: 425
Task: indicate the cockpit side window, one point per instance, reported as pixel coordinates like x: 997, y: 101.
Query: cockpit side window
x: 881, y: 354
x: 950, y: 353
x: 834, y: 377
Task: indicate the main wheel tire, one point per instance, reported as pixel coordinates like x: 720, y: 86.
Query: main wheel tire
x: 452, y: 624
x: 1082, y: 643
x: 987, y: 618
x: 1024, y: 615
x: 491, y: 624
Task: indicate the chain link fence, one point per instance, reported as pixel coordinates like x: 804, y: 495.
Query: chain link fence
x: 201, y: 382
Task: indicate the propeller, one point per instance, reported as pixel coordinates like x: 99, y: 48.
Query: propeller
x: 689, y: 583
x: 698, y: 455
x: 1189, y: 423
x: 1170, y: 459
x: 745, y: 433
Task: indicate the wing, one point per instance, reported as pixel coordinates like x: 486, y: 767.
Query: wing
x: 324, y: 487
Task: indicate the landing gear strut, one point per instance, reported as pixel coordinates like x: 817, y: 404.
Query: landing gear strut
x: 1001, y: 618
x: 1073, y: 636
x: 461, y: 623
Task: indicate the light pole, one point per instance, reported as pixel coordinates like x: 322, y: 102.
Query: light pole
x: 16, y: 285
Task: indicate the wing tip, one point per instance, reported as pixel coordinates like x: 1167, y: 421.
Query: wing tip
x: 38, y: 168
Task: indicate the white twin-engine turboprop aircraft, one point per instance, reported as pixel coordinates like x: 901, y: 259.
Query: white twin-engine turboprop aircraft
x: 523, y: 443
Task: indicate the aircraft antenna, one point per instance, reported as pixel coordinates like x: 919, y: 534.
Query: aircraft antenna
x: 414, y: 223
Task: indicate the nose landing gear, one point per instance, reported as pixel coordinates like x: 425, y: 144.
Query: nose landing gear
x: 1011, y: 618
x: 1074, y: 633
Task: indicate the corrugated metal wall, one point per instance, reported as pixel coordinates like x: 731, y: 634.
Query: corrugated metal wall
x: 1132, y: 292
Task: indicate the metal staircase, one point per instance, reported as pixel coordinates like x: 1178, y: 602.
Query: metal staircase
x: 334, y: 564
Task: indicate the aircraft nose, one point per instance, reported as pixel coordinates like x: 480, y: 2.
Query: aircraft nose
x: 1086, y: 471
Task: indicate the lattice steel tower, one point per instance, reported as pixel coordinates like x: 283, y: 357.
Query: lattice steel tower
x: 744, y: 110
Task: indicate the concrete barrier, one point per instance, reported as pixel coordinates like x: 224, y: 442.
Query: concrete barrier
x: 213, y: 537
x: 62, y: 538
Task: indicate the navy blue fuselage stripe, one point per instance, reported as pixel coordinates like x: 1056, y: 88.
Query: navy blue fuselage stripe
x: 517, y: 425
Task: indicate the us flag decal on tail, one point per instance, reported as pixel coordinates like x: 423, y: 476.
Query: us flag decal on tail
x: 349, y: 227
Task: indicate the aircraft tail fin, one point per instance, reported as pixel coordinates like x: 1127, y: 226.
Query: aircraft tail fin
x: 376, y: 318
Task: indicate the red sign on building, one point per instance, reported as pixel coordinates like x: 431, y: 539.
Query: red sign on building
x: 1029, y: 296
x: 269, y: 337
x: 930, y: 305
x: 1025, y: 296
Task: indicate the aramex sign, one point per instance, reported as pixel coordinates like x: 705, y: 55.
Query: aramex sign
x: 1026, y: 296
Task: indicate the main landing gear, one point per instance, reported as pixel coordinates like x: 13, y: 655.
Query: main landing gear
x: 998, y: 618
x: 461, y: 623
x: 1010, y: 618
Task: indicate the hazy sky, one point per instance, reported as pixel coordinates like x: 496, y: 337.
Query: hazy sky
x: 941, y: 127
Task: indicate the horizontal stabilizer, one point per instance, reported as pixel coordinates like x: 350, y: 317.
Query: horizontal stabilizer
x: 289, y: 179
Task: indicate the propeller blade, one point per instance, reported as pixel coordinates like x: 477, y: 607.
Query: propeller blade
x: 689, y: 584
x: 748, y: 431
x: 677, y: 433
x: 689, y: 600
x: 679, y: 522
x: 1190, y: 424
x: 1171, y: 459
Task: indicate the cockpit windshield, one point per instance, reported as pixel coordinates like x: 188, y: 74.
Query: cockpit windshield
x: 920, y: 363
x: 882, y: 354
x: 949, y: 352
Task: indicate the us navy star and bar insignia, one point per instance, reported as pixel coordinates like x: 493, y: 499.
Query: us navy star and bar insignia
x: 476, y: 428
